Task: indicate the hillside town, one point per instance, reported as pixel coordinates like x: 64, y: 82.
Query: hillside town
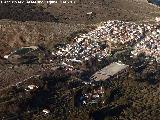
x: 90, y: 60
x: 144, y: 38
x: 89, y: 71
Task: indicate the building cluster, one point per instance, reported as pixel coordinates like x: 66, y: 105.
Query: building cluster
x: 92, y: 97
x: 97, y: 90
x: 96, y: 43
x: 83, y: 49
x: 118, y: 32
x: 150, y: 45
x: 145, y: 37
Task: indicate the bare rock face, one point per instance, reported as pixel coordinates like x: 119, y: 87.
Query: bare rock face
x: 19, y: 34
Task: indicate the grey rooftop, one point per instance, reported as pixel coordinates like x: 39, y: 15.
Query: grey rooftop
x: 108, y: 71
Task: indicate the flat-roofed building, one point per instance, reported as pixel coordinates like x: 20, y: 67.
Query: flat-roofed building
x: 110, y: 71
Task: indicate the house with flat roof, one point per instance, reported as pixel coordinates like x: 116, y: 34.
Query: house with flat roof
x: 109, y: 71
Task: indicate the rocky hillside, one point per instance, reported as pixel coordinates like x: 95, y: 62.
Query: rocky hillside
x: 17, y: 34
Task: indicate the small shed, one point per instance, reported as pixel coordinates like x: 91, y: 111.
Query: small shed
x: 109, y: 71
